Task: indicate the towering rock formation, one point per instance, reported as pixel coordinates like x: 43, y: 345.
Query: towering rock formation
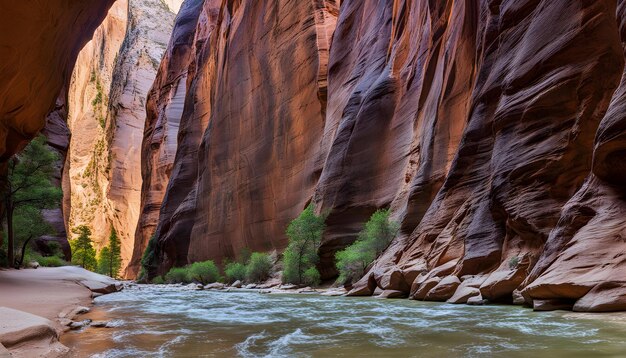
x: 164, y: 108
x: 106, y: 118
x: 492, y: 129
x: 547, y: 71
x: 249, y: 151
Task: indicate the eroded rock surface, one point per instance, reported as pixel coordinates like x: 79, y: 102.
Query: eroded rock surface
x: 107, y: 99
x: 494, y: 131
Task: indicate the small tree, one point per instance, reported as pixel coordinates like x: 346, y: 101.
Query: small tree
x: 259, y: 267
x: 83, y: 253
x: 104, y: 261
x: 305, y: 237
x: 372, y: 241
x: 113, y: 255
x: 29, y: 185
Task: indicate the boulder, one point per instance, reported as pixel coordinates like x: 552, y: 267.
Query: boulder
x: 99, y: 324
x: 463, y: 294
x: 392, y: 294
x: 518, y: 299
x: 237, y: 284
x: 73, y: 311
x: 33, y: 265
x: 288, y: 286
x: 425, y: 287
x: 392, y: 280
x: 477, y: 301
x: 79, y: 324
x: 604, y: 297
x: 215, y: 286
x: 501, y: 284
x: 250, y: 286
x: 444, y: 289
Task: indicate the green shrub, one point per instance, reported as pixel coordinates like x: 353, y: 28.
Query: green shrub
x: 311, y: 277
x: 204, y: 272
x: 513, y: 262
x: 377, y: 234
x: 51, y: 261
x: 177, y: 275
x: 158, y: 280
x: 259, y: 268
x: 353, y: 260
x: 149, y: 259
x: 235, y: 271
x: 305, y: 236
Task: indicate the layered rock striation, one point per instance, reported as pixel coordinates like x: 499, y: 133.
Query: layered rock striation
x: 107, y: 99
x: 492, y: 129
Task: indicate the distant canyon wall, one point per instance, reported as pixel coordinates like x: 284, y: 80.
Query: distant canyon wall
x: 492, y: 129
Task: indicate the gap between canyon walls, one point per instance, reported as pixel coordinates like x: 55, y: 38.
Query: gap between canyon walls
x: 105, y: 114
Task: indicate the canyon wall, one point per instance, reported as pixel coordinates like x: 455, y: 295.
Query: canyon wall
x: 106, y: 104
x: 492, y: 129
x: 39, y: 43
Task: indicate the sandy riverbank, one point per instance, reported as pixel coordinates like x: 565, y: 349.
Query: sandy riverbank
x: 32, y: 300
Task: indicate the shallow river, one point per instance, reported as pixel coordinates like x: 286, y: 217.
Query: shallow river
x: 167, y: 322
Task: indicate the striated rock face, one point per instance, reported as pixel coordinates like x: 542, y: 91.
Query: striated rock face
x: 509, y: 207
x: 249, y: 153
x: 107, y: 99
x: 164, y: 109
x: 494, y: 130
x: 39, y: 43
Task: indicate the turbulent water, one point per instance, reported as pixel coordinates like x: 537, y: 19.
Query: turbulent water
x: 152, y: 321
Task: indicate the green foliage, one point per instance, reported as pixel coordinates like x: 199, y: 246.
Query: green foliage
x: 158, y: 280
x: 104, y: 261
x: 46, y: 261
x: 352, y: 261
x: 98, y: 99
x: 244, y: 255
x: 377, y: 234
x: 311, y: 276
x: 513, y: 262
x: 83, y: 253
x: 112, y: 254
x: 259, y: 267
x: 177, y: 275
x: 149, y: 260
x: 305, y: 235
x: 29, y: 190
x: 235, y: 271
x: 204, y: 272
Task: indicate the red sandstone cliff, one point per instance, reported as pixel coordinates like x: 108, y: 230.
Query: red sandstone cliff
x: 493, y: 130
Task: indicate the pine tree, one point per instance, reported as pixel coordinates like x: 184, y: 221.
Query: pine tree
x: 29, y: 189
x: 83, y: 253
x: 104, y: 261
x: 115, y: 257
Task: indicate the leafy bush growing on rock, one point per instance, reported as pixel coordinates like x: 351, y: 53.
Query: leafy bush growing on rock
x: 177, y: 275
x: 372, y: 241
x: 513, y: 262
x: 158, y: 280
x: 259, y: 267
x: 235, y: 271
x: 305, y: 236
x: 204, y: 272
x: 311, y: 276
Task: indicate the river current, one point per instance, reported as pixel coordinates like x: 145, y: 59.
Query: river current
x: 169, y: 321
